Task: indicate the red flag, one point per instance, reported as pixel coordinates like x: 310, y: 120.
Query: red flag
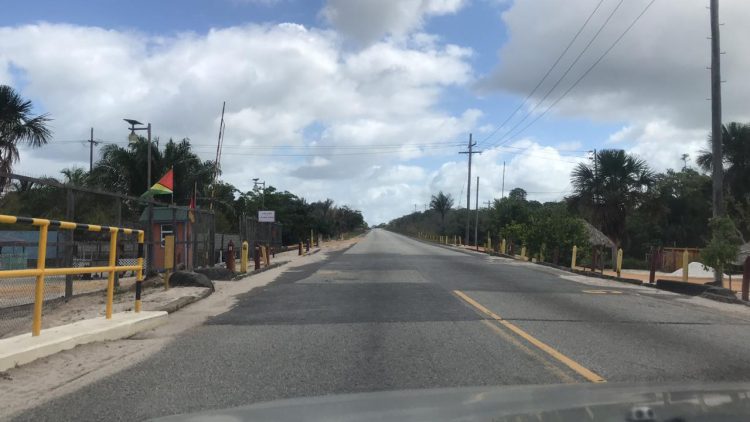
x: 191, y: 212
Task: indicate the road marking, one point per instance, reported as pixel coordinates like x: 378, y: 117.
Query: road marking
x: 570, y: 363
x: 602, y: 292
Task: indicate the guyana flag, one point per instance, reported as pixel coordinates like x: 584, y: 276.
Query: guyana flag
x: 165, y: 186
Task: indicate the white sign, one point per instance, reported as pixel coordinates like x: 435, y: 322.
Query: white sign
x: 267, y: 216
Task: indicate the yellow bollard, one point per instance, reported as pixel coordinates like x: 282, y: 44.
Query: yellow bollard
x: 168, y: 259
x: 489, y: 242
x: 619, y: 262
x: 685, y: 265
x: 573, y: 260
x: 139, y: 273
x: 36, y: 325
x: 523, y: 253
x: 502, y: 247
x: 312, y: 241
x: 111, y: 274
x: 243, y: 257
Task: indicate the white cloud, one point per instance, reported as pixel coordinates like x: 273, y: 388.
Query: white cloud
x: 369, y: 20
x: 285, y: 85
x: 658, y: 71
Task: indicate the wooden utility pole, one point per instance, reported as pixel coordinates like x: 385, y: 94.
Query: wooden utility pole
x: 470, y: 152
x: 717, y: 174
x: 502, y: 190
x: 476, y: 223
x: 91, y: 151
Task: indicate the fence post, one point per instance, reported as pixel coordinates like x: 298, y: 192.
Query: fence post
x: 111, y: 274
x: 573, y: 259
x: 36, y: 326
x: 149, y: 238
x: 70, y: 204
x: 139, y: 273
x: 746, y: 279
x: 118, y: 223
x: 243, y: 258
x: 685, y: 265
x: 619, y: 262
x: 652, y: 265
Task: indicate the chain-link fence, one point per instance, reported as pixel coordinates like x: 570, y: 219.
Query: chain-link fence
x: 48, y: 198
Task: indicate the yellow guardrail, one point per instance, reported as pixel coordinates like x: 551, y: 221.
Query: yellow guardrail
x: 41, y: 271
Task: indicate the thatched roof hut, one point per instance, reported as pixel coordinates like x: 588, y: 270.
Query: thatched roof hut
x: 596, y: 237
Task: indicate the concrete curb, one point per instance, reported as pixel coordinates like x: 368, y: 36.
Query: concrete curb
x: 24, y: 348
x: 184, y: 301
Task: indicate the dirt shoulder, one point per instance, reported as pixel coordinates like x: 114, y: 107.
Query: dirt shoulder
x: 33, y: 384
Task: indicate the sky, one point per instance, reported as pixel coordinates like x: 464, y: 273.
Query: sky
x: 369, y: 102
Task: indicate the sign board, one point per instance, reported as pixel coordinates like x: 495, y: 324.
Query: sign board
x: 266, y: 216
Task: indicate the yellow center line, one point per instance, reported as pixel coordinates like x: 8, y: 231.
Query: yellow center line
x: 570, y: 363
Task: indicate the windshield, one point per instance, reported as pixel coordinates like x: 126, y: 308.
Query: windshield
x: 213, y: 205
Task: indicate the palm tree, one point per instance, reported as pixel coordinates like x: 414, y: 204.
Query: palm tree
x: 76, y: 176
x: 18, y: 126
x: 441, y: 203
x: 735, y: 140
x: 606, y: 191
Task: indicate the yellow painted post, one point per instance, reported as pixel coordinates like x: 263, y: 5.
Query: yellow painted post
x: 502, y: 246
x: 489, y: 242
x: 243, y: 257
x: 523, y: 253
x: 168, y: 259
x: 312, y: 242
x: 111, y: 273
x: 573, y: 260
x: 685, y: 265
x: 265, y: 255
x: 619, y: 262
x: 36, y: 326
x: 139, y: 273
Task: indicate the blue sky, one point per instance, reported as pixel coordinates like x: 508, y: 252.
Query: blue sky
x: 361, y: 74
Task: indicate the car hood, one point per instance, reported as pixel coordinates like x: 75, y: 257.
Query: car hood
x: 568, y: 402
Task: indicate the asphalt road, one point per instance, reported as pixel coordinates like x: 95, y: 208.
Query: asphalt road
x: 394, y: 313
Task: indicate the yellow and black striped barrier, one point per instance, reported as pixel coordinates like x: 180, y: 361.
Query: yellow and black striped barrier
x: 41, y: 271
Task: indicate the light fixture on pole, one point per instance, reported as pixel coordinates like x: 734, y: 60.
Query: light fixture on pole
x: 133, y: 139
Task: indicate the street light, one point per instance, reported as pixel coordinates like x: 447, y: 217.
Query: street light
x: 133, y: 138
x: 256, y: 183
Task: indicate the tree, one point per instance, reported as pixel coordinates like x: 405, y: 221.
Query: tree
x: 735, y: 141
x: 724, y: 244
x: 441, y: 203
x: 18, y: 126
x: 606, y: 191
x: 517, y: 194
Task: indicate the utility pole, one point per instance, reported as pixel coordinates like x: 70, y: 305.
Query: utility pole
x: 91, y: 150
x: 476, y: 222
x: 468, y: 186
x: 717, y: 174
x: 502, y: 190
x: 489, y: 203
x: 596, y: 191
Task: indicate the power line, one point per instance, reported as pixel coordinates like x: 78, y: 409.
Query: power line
x: 544, y: 78
x: 501, y: 141
x: 593, y: 65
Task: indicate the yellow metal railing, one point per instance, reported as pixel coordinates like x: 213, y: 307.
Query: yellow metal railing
x: 41, y: 271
